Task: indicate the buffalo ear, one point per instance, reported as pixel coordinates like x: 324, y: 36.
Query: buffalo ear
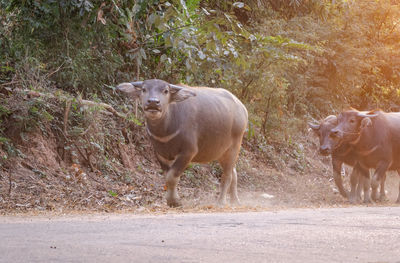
x: 314, y: 127
x: 179, y: 93
x: 132, y: 89
x: 365, y: 123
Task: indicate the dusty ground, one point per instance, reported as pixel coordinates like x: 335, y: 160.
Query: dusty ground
x: 41, y: 183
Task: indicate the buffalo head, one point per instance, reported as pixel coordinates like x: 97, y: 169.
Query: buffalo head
x: 323, y: 131
x: 350, y: 125
x: 155, y: 95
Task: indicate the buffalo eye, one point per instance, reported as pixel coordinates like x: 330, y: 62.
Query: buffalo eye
x: 166, y: 91
x: 143, y: 90
x: 352, y: 121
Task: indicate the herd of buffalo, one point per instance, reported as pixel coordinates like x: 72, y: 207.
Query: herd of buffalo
x: 199, y: 124
x: 364, y: 140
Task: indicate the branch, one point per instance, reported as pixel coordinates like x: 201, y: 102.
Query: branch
x: 10, y: 83
x: 10, y: 184
x: 55, y: 71
x: 105, y: 106
x: 66, y: 114
x: 166, y: 31
x: 66, y: 98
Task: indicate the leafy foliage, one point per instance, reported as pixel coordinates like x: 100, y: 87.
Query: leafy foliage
x: 287, y: 60
x: 367, y: 71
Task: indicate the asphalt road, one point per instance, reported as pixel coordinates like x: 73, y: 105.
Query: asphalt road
x: 359, y: 234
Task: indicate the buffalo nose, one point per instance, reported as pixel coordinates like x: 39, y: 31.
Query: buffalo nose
x: 324, y: 150
x: 153, y: 101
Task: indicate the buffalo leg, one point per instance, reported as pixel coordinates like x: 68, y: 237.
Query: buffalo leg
x: 398, y: 197
x: 367, y: 190
x: 366, y: 182
x: 173, y: 176
x: 165, y: 164
x: 360, y: 186
x: 360, y: 178
x: 233, y: 189
x: 229, y: 177
x: 377, y: 177
x: 382, y: 195
x: 337, y: 176
x: 354, y: 183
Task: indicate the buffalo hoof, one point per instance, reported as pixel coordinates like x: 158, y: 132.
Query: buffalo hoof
x: 354, y: 201
x: 174, y: 203
x: 221, y: 204
x: 344, y: 193
x: 234, y: 200
x: 368, y: 201
x: 355, y: 198
x: 235, y: 203
x: 374, y: 196
x: 383, y: 198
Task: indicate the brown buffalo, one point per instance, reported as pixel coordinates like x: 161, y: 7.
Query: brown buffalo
x: 375, y: 138
x: 340, y: 155
x: 188, y: 124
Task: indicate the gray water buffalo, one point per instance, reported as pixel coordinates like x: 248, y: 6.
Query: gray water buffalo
x: 375, y: 138
x: 187, y: 124
x: 342, y: 154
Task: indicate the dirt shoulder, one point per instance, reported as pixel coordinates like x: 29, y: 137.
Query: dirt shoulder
x: 43, y: 185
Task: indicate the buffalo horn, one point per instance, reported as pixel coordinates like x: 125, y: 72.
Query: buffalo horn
x: 313, y: 126
x: 137, y: 83
x: 175, y: 86
x: 367, y: 115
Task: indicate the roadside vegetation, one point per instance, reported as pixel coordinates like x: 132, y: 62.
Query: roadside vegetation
x: 289, y: 61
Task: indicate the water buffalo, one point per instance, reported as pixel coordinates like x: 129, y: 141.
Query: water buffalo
x: 340, y: 155
x: 375, y: 137
x: 187, y: 124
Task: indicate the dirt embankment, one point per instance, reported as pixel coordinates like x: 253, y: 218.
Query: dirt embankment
x: 81, y: 158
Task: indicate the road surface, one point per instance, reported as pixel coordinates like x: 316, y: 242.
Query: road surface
x: 358, y: 234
